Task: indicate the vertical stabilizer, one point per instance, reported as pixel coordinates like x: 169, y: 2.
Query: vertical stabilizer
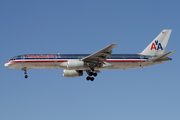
x: 158, y: 45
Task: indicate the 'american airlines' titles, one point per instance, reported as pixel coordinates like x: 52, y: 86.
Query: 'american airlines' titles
x: 40, y: 56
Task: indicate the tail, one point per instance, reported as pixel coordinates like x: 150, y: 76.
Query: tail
x: 158, y: 45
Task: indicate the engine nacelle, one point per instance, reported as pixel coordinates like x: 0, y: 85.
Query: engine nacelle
x: 72, y: 73
x: 75, y: 64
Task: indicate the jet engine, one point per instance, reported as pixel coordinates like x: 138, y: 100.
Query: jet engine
x: 72, y: 73
x: 75, y: 64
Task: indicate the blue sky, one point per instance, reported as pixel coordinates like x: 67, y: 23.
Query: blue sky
x: 42, y: 26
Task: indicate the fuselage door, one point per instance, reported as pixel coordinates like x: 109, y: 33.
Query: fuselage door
x: 23, y: 58
x: 140, y: 63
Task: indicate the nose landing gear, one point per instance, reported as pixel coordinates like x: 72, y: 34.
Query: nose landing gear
x: 26, y: 76
x: 25, y: 72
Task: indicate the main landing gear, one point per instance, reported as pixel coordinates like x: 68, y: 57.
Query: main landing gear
x: 91, y: 74
x: 25, y: 72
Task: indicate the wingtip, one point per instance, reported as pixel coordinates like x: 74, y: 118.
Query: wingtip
x: 172, y: 52
x: 113, y: 43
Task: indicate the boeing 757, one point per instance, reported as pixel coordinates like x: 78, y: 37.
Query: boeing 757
x: 73, y: 65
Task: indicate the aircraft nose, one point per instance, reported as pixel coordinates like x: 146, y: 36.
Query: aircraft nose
x: 6, y: 64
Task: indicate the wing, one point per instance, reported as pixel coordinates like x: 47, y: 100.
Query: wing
x: 100, y: 56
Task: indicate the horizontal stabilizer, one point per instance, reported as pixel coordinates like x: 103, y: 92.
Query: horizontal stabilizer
x: 162, y: 56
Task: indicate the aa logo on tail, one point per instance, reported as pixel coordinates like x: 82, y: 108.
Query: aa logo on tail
x: 156, y: 45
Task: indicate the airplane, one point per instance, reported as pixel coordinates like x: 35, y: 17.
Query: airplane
x: 73, y: 65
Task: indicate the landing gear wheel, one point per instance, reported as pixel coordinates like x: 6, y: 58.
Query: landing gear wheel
x: 91, y: 73
x: 26, y: 76
x: 95, y: 74
x: 92, y: 79
x: 88, y: 78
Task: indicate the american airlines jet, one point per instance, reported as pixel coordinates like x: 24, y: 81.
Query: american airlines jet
x: 73, y: 65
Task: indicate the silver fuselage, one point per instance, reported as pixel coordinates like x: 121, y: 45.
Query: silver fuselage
x: 59, y: 61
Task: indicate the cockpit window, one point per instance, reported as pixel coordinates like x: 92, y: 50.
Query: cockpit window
x: 12, y: 59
